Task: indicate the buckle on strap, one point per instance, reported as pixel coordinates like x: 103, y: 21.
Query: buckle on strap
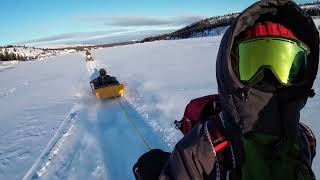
x: 178, y: 124
x: 216, y: 144
x: 221, y: 145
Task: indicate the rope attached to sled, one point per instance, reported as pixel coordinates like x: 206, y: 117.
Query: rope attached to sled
x: 148, y: 146
x: 145, y: 142
x: 97, y: 65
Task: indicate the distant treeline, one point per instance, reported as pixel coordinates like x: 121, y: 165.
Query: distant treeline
x: 200, y: 26
x: 11, y: 52
x: 12, y: 46
x: 83, y: 48
x: 6, y: 56
x: 214, y: 22
x: 203, y: 25
x: 310, y: 3
x: 313, y: 11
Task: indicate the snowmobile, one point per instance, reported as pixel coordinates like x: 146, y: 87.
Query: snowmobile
x: 108, y: 91
x: 88, y: 56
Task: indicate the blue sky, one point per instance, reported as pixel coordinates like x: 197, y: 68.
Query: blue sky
x: 45, y: 22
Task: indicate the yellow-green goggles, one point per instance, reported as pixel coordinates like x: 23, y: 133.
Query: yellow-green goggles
x: 286, y: 58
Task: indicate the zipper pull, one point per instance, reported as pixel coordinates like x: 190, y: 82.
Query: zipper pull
x: 245, y: 93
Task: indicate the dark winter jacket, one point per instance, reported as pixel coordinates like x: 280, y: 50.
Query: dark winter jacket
x: 246, y: 109
x: 104, y: 80
x: 192, y: 158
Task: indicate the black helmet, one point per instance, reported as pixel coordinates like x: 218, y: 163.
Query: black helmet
x: 102, y: 72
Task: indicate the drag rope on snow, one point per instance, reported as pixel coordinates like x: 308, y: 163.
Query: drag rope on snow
x: 145, y: 142
x: 143, y: 139
x: 97, y: 65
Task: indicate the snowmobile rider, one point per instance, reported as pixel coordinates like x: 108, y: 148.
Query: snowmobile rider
x: 104, y: 79
x: 88, y: 56
x: 265, y: 68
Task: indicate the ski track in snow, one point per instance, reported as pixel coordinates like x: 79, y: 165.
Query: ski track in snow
x: 11, y: 91
x: 53, y: 148
x: 93, y: 141
x: 137, y: 102
x: 4, y: 68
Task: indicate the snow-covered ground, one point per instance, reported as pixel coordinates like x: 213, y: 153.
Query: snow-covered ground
x: 52, y: 126
x: 311, y: 6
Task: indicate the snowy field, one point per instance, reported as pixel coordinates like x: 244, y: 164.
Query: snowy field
x: 52, y: 127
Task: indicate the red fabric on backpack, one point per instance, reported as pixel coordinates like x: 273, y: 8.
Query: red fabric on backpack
x: 206, y: 109
x: 222, y: 146
x: 195, y: 110
x: 310, y: 137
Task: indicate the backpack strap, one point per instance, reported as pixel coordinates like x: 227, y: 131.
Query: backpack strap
x: 207, y: 110
x: 222, y: 148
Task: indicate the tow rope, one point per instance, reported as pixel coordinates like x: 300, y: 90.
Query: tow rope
x: 97, y: 65
x: 145, y: 142
x: 143, y: 139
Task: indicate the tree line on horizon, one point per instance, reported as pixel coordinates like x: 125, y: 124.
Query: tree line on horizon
x: 9, y: 56
x: 310, y: 3
x: 214, y: 22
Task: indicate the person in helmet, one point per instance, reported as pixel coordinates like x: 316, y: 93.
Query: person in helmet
x: 265, y: 68
x: 104, y: 79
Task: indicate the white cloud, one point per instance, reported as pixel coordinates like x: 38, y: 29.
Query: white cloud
x: 123, y: 28
x: 70, y: 36
x: 124, y: 36
x: 125, y: 21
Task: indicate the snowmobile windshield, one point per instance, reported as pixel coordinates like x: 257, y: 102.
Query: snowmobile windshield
x: 286, y: 58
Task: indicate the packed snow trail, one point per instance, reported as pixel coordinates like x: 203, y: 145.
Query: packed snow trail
x: 109, y: 138
x: 104, y: 147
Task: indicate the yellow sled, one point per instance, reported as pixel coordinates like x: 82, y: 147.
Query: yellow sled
x: 108, y: 91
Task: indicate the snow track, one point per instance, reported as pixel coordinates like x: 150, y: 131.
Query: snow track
x: 53, y: 148
x: 97, y: 140
x: 94, y: 141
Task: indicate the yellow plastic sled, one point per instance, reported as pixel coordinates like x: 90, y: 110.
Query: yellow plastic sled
x: 108, y: 91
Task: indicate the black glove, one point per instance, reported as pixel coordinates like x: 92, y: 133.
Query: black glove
x: 150, y: 165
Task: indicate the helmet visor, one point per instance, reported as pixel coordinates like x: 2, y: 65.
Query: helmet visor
x: 284, y: 57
